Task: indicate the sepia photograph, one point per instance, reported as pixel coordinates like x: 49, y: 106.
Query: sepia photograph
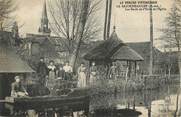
x: 90, y: 58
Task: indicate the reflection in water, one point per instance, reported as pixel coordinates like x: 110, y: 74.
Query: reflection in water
x: 162, y: 103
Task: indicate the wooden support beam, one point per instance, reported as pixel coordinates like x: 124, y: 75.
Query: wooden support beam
x: 106, y: 18
x: 109, y: 18
x: 151, y: 42
x: 135, y: 68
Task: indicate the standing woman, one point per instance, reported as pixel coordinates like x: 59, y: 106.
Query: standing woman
x: 82, y: 76
x: 51, y: 74
x: 113, y: 71
x: 93, y: 73
x: 52, y: 70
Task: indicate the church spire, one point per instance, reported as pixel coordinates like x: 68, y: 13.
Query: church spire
x: 44, y: 28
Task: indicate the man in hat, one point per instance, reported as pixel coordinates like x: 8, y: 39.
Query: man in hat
x: 17, y: 90
x: 42, y: 71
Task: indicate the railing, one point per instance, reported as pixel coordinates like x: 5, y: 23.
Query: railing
x: 138, y: 82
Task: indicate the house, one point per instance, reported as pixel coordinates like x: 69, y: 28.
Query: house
x: 171, y: 62
x: 143, y: 48
x: 11, y: 63
x: 43, y: 44
x: 49, y: 47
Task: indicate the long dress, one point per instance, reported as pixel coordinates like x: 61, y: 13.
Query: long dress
x: 81, y: 77
x: 93, y: 74
x: 51, y: 75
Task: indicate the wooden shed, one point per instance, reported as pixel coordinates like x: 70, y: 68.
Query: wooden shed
x: 111, y: 50
x: 10, y: 64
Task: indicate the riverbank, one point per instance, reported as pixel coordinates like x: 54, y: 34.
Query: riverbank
x: 134, y: 84
x: 141, y: 101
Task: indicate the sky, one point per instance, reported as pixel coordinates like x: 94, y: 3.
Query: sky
x: 131, y: 26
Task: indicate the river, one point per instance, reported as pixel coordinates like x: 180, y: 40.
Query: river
x: 163, y: 102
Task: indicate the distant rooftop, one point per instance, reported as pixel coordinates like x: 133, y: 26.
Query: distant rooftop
x: 10, y: 61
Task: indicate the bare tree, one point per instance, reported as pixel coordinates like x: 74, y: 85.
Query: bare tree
x: 7, y: 7
x: 66, y: 16
x: 171, y: 35
x: 83, y: 19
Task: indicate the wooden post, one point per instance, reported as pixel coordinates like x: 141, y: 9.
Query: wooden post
x: 179, y: 65
x: 149, y: 111
x: 151, y: 42
x: 127, y: 70
x: 1, y: 87
x: 109, y: 18
x: 88, y: 81
x: 130, y: 67
x: 107, y: 70
x: 105, y: 23
x: 134, y: 103
x: 135, y: 68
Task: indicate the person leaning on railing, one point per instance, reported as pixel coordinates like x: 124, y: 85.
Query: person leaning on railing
x: 17, y: 90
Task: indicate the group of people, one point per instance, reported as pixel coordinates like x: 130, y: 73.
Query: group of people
x: 83, y: 74
x: 51, y: 72
x: 49, y: 75
x: 64, y: 72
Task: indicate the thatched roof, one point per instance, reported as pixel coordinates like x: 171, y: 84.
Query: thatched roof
x: 10, y: 62
x: 113, y: 49
x: 126, y: 53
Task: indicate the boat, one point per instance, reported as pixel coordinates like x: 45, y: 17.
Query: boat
x: 76, y: 100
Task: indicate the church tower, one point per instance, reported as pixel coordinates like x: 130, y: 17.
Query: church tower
x: 44, y: 28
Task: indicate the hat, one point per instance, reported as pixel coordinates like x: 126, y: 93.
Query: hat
x: 41, y: 57
x: 60, y: 65
x: 51, y: 61
x: 16, y: 77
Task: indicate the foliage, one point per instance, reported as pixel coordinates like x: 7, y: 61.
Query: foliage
x: 7, y: 7
x: 171, y: 35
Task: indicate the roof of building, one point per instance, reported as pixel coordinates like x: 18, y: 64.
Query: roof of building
x: 10, y: 62
x: 114, y: 49
x: 61, y: 43
x: 126, y: 53
x: 143, y: 48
